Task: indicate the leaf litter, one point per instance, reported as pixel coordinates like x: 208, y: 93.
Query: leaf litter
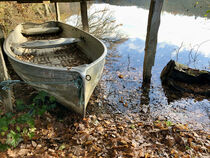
x: 110, y: 135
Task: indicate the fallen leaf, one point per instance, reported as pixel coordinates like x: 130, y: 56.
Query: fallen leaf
x: 186, y: 156
x: 159, y: 125
x: 23, y: 152
x: 170, y: 141
x: 34, y: 144
x: 140, y: 124
x: 147, y: 155
x: 173, y: 151
x: 63, y: 146
x: 89, y: 142
x: 121, y: 100
x: 125, y: 104
x: 120, y: 76
x: 12, y: 153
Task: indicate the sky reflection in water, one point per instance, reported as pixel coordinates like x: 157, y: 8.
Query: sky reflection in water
x: 174, y: 29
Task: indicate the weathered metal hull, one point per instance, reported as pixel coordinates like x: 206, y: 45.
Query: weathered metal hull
x: 70, y: 87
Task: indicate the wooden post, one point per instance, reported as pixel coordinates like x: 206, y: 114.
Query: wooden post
x: 57, y: 11
x: 151, y: 39
x: 145, y: 93
x: 6, y: 95
x: 84, y: 15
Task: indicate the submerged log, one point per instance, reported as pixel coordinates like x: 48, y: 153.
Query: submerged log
x: 186, y: 79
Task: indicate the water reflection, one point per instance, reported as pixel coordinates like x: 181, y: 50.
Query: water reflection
x: 145, y: 97
x: 182, y: 38
x: 126, y: 58
x: 174, y: 29
x: 186, y: 7
x: 139, y: 96
x: 102, y: 24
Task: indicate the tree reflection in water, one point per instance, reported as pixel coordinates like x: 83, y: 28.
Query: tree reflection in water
x: 102, y: 24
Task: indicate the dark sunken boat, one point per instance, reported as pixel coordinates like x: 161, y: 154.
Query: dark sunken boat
x: 184, y: 79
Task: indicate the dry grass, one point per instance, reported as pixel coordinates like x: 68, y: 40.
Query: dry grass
x: 12, y: 14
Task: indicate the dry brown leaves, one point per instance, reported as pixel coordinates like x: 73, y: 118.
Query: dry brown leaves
x: 112, y: 136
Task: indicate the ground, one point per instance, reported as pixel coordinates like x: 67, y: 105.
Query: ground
x: 59, y: 132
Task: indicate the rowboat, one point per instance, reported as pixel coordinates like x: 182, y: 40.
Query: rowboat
x: 44, y: 56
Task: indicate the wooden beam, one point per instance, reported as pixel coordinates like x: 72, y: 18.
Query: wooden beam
x: 41, y: 1
x: 6, y: 95
x: 69, y: 0
x: 57, y: 11
x: 29, y: 1
x: 151, y: 38
x: 84, y: 16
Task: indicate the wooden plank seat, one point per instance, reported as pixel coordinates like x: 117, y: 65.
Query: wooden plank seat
x: 41, y: 31
x: 44, y: 44
x: 31, y: 29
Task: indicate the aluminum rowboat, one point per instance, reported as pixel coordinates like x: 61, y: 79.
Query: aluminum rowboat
x: 73, y: 86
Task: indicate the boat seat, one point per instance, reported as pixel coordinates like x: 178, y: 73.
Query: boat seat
x: 40, y: 31
x: 44, y: 44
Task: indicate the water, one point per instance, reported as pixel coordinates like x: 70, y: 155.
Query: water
x: 184, y: 36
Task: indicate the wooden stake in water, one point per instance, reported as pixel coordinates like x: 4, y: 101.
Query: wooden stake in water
x: 57, y: 11
x: 151, y: 39
x: 84, y: 16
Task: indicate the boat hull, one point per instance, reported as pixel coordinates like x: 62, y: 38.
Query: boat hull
x: 73, y: 87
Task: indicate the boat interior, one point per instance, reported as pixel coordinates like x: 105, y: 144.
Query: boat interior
x: 44, y: 44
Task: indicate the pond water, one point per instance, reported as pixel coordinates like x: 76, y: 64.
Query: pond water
x: 184, y: 36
